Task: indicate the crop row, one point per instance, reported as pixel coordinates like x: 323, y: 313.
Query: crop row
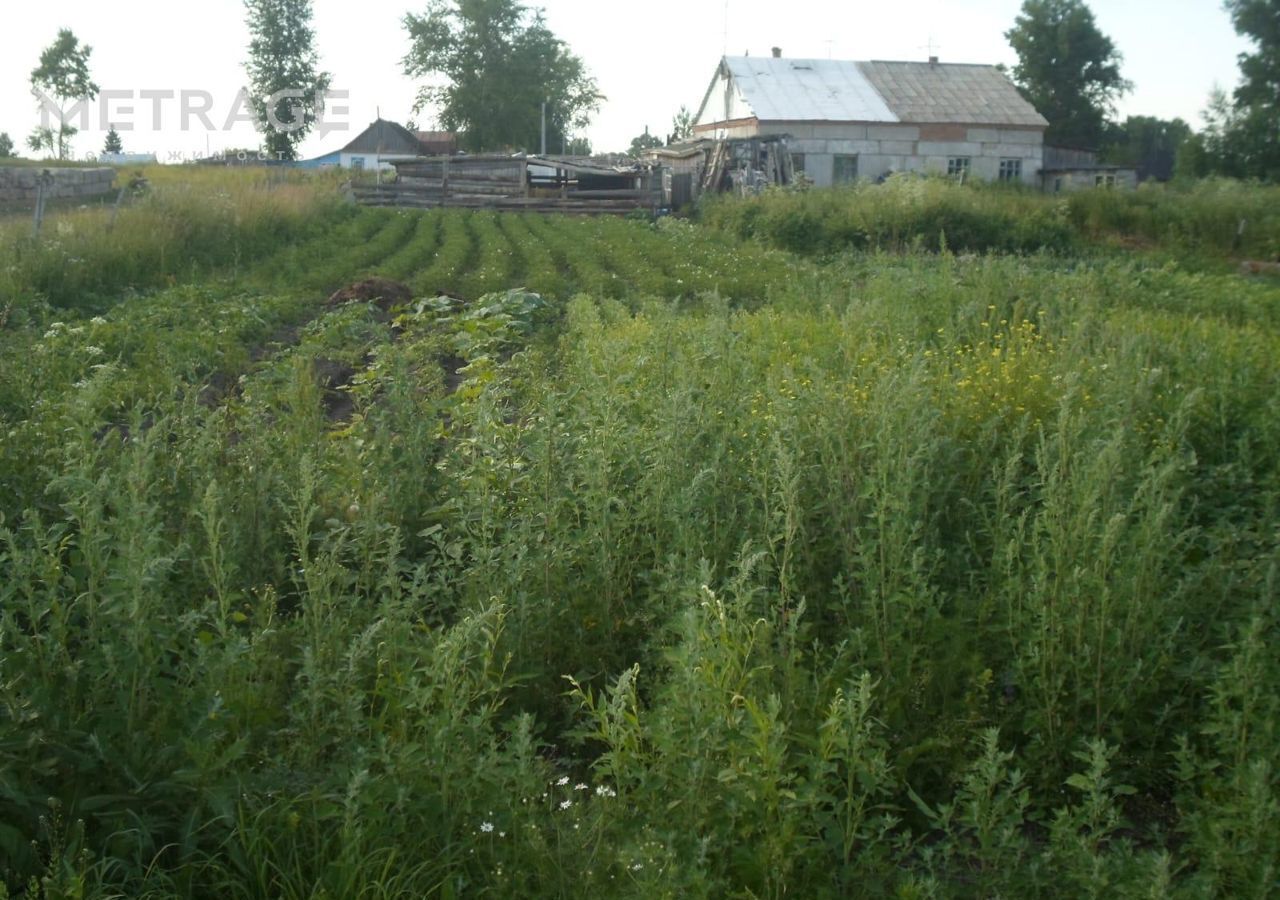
x: 473, y: 253
x: 707, y: 572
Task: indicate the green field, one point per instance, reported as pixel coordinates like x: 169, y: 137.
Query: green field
x: 672, y: 560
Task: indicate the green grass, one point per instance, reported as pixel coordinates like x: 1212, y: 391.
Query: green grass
x: 1208, y: 220
x: 709, y: 570
x: 212, y: 223
x: 24, y: 163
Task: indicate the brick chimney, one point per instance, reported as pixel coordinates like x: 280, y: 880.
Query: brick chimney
x: 777, y: 53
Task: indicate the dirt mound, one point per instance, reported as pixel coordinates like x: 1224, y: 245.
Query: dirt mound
x: 215, y: 391
x: 382, y: 291
x: 1259, y: 267
x: 333, y: 378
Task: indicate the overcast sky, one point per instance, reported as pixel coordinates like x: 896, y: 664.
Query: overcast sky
x: 648, y: 58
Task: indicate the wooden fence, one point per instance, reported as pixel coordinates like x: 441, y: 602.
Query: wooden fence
x: 541, y: 184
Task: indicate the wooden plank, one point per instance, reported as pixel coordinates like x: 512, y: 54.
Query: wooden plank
x: 455, y: 173
x: 394, y: 195
x: 610, y: 194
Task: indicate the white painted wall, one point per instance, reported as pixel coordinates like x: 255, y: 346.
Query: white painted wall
x: 372, y: 160
x: 1086, y: 180
x: 724, y: 103
x: 899, y: 148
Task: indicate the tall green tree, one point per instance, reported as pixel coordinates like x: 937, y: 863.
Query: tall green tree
x: 1259, y: 21
x: 6, y: 145
x: 1067, y: 68
x: 1237, y: 141
x: 1148, y: 144
x: 286, y: 86
x: 43, y: 140
x: 62, y: 78
x: 113, y: 143
x: 1253, y: 129
x: 642, y: 142
x: 494, y: 64
x: 681, y: 125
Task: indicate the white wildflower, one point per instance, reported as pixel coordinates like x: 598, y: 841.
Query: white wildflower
x: 565, y: 804
x: 486, y: 827
x: 604, y: 790
x: 563, y: 781
x: 579, y: 787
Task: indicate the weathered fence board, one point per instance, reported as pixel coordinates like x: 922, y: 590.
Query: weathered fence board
x: 504, y: 182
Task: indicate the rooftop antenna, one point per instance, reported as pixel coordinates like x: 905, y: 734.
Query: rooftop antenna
x: 724, y: 48
x: 828, y: 42
x: 932, y: 49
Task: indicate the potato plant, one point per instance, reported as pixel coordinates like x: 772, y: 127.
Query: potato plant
x: 654, y: 562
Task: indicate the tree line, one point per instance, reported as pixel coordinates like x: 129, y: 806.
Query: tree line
x: 1070, y: 71
x: 495, y: 73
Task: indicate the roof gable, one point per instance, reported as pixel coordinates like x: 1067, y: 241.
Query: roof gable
x: 799, y: 90
x: 383, y: 137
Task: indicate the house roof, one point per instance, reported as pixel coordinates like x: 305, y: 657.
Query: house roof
x: 327, y: 159
x: 798, y: 90
x: 949, y: 92
x: 437, y: 142
x: 383, y: 137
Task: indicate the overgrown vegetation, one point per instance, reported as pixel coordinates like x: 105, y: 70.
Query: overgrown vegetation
x: 1212, y: 218
x: 700, y: 571
x: 182, y: 227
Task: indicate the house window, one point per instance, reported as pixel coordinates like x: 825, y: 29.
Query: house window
x: 1106, y: 180
x: 797, y: 162
x: 844, y: 169
x: 1010, y: 170
x: 1057, y: 185
x: 958, y: 165
x: 357, y: 162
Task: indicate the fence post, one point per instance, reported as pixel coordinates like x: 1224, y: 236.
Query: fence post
x: 115, y: 208
x: 43, y: 182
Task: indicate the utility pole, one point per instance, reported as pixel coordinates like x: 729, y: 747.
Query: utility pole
x: 544, y: 127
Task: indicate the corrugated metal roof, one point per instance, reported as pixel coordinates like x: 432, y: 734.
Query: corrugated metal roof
x: 799, y: 90
x: 947, y: 92
x: 807, y: 89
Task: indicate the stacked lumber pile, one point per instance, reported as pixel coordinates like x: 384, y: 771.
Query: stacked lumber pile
x: 506, y: 182
x: 396, y: 195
